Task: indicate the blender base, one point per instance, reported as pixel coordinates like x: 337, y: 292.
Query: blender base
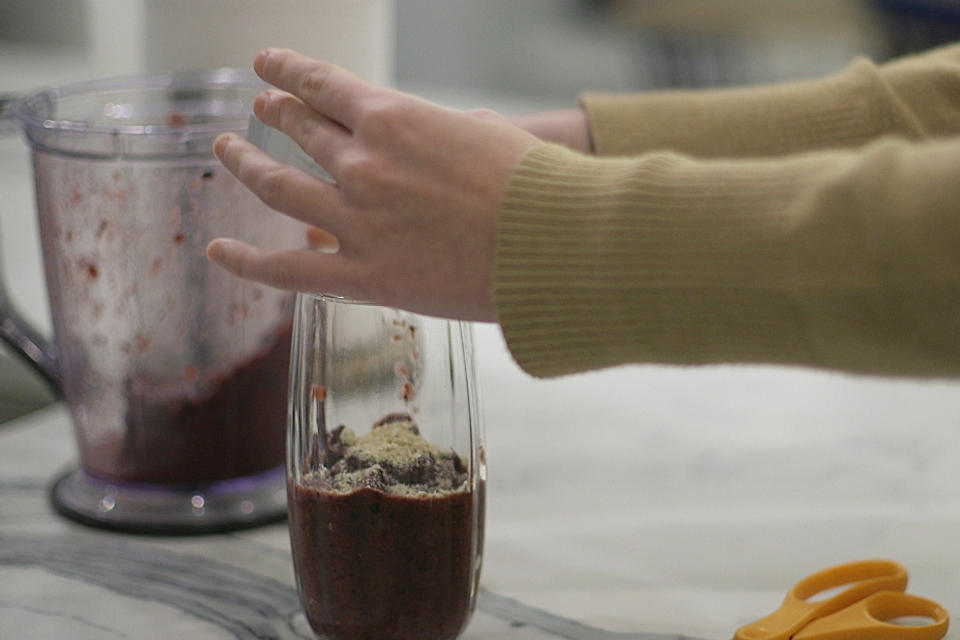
x: 229, y: 505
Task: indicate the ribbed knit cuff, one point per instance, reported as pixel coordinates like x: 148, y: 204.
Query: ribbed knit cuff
x: 656, y: 259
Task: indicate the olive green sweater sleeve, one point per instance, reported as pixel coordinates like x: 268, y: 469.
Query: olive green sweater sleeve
x: 915, y: 97
x: 843, y: 259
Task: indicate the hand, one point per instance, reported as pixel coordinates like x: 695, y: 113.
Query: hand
x: 411, y: 220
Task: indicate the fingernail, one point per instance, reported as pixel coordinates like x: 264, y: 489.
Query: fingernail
x: 260, y: 59
x: 262, y: 100
x: 219, y: 249
x: 221, y: 143
x: 259, y: 103
x: 215, y: 250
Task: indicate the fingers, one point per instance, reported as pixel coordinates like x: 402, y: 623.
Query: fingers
x: 280, y: 186
x: 321, y: 138
x: 292, y: 270
x: 332, y: 91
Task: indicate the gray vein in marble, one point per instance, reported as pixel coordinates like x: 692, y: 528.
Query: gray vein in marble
x: 100, y: 629
x: 247, y: 605
x: 518, y: 613
x: 261, y: 546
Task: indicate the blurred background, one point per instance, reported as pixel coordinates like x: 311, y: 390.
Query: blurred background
x: 543, y: 49
x: 511, y: 55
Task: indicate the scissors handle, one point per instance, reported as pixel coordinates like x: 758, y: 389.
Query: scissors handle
x: 864, y: 578
x: 869, y: 620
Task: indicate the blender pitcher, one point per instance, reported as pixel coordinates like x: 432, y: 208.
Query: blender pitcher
x: 174, y: 371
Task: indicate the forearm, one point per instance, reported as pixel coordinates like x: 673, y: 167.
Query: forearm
x: 845, y: 260
x: 917, y: 98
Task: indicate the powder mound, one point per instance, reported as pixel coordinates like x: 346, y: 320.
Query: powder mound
x: 392, y: 458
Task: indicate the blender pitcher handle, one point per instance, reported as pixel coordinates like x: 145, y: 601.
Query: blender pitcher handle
x: 7, y: 124
x: 26, y: 342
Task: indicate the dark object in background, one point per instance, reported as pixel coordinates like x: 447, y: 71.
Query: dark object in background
x: 910, y: 26
x: 738, y: 42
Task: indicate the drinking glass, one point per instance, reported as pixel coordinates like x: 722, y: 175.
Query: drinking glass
x: 385, y: 471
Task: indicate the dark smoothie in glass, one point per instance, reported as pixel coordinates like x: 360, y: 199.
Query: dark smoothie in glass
x: 386, y: 536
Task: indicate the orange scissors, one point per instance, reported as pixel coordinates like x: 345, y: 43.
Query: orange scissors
x: 873, y: 595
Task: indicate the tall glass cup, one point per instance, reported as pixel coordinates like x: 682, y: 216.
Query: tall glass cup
x: 385, y: 471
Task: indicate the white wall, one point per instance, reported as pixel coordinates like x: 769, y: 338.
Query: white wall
x: 129, y: 36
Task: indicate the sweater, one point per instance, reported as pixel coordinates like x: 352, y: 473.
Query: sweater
x: 812, y: 223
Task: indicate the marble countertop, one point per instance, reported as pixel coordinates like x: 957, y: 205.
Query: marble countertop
x: 624, y: 503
